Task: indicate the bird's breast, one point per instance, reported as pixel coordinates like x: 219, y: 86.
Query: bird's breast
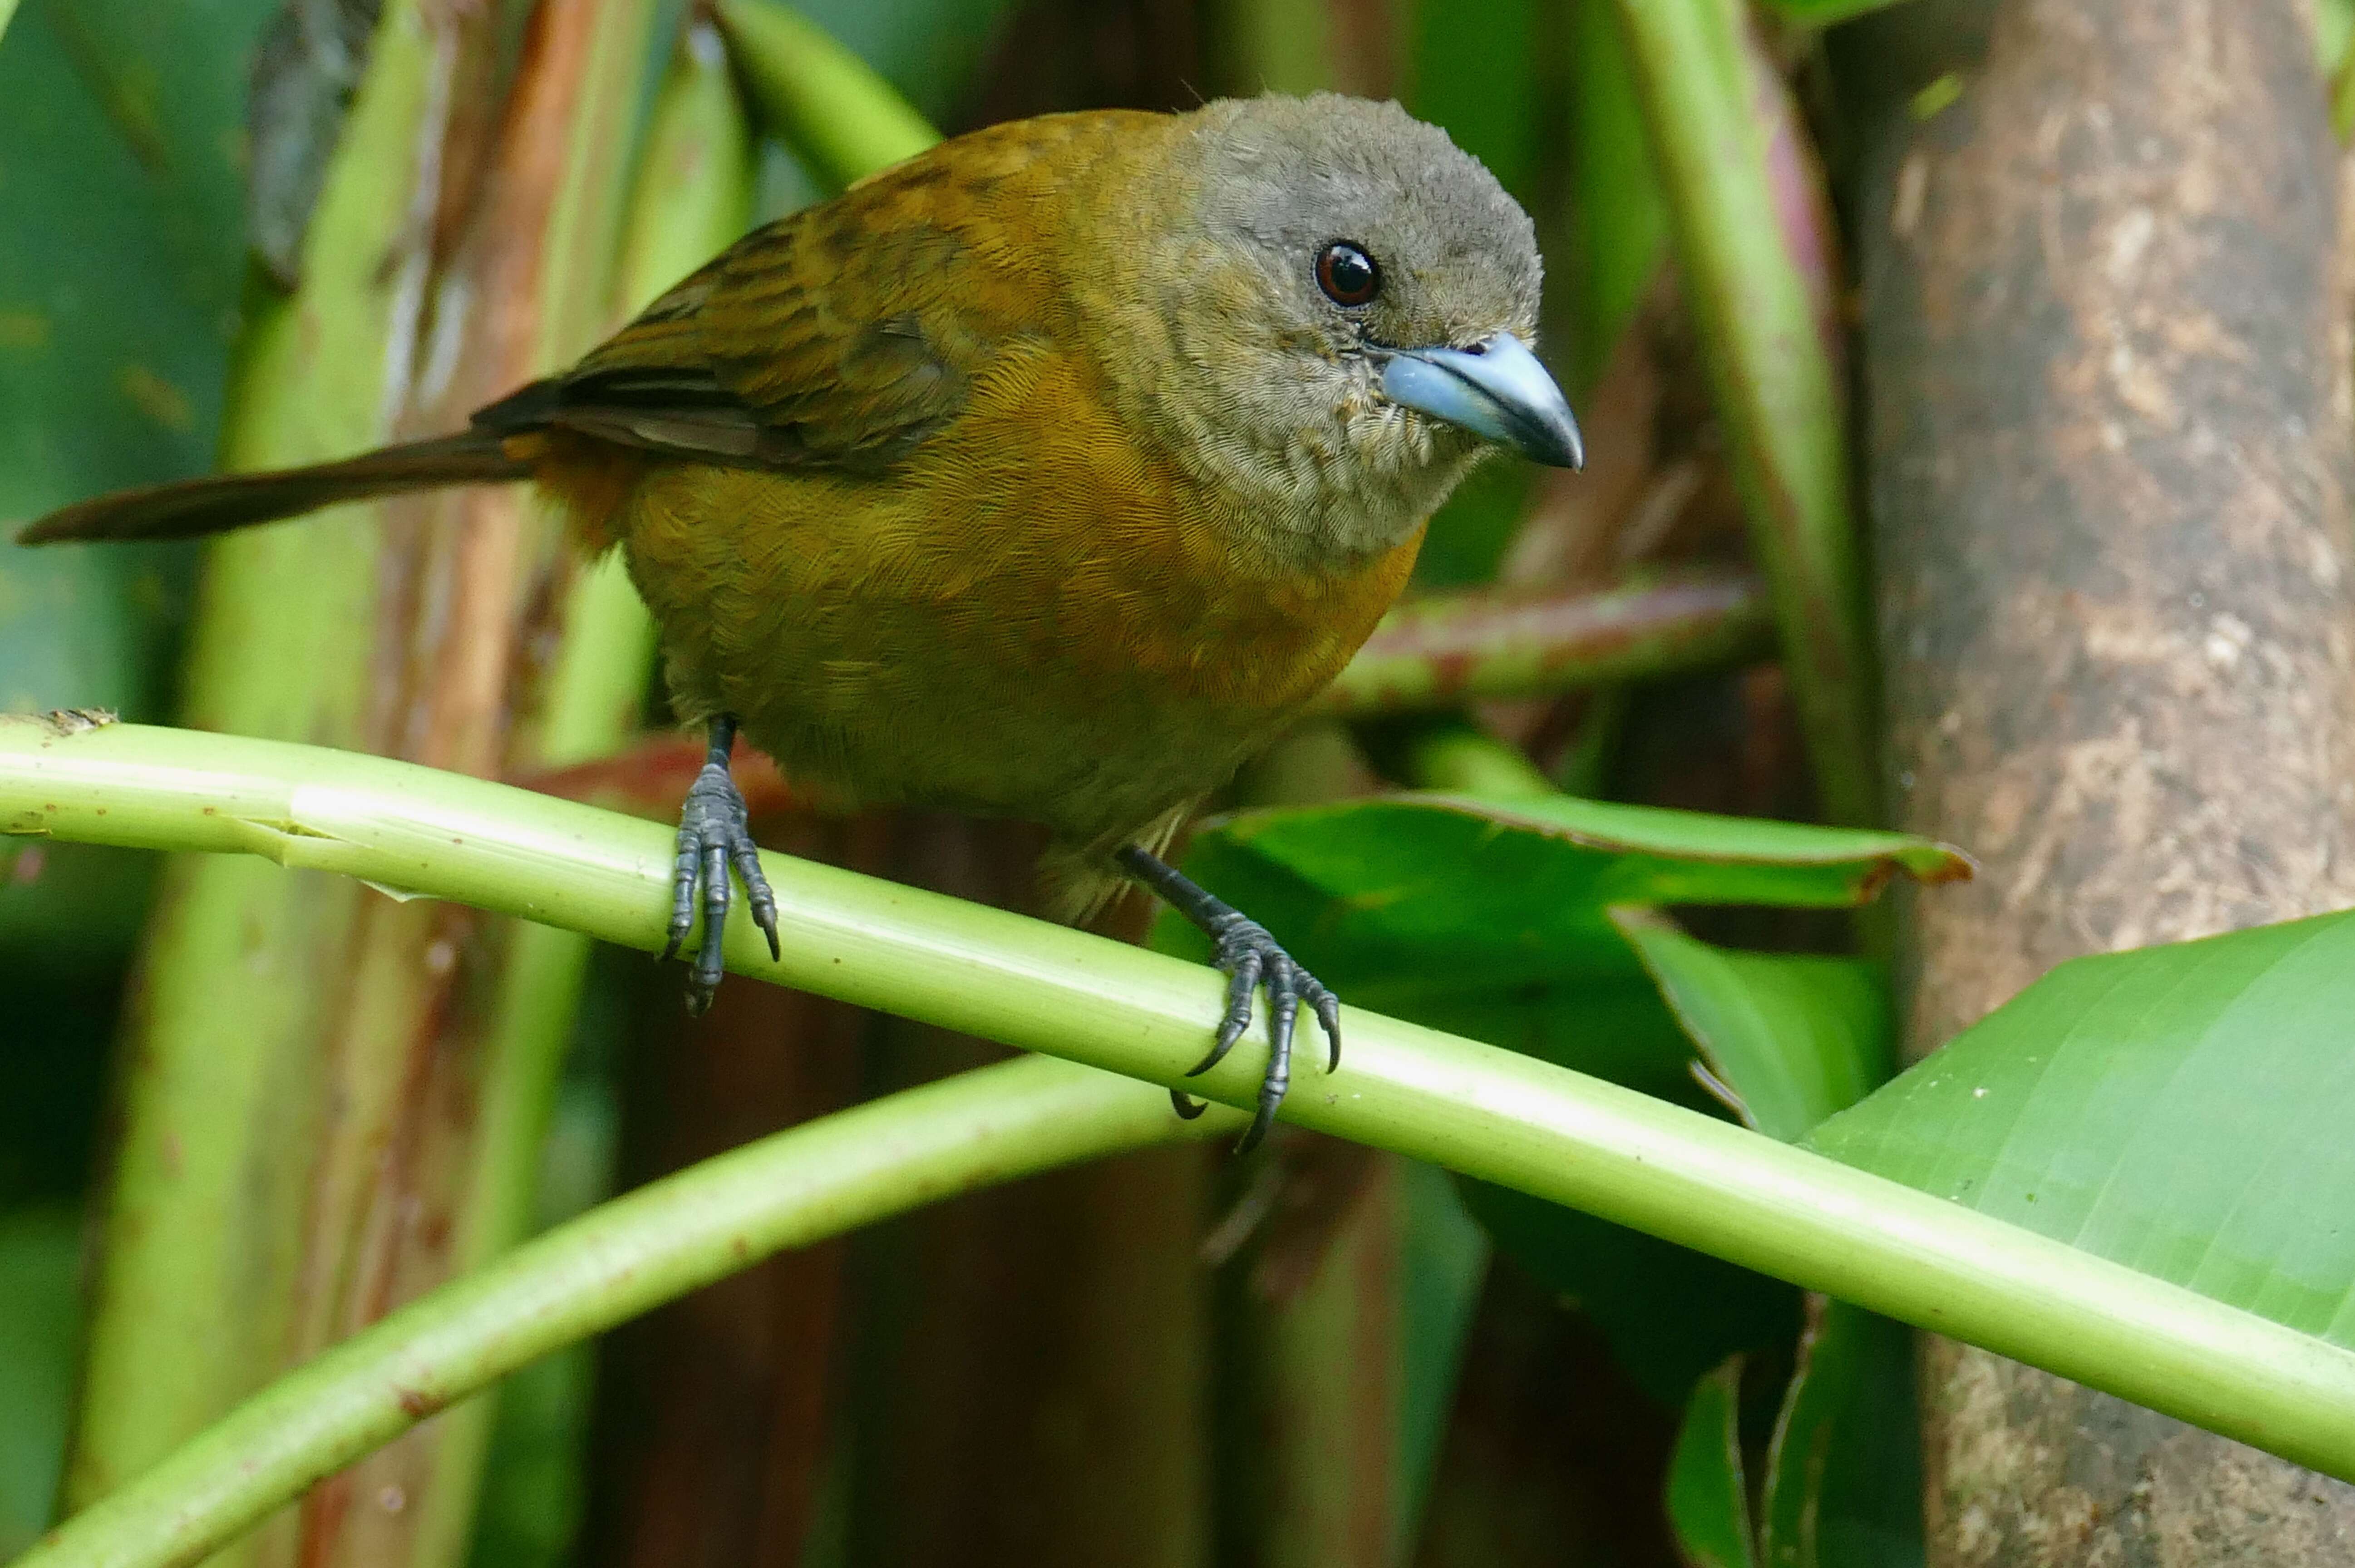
x: 1034, y: 616
x: 1123, y: 570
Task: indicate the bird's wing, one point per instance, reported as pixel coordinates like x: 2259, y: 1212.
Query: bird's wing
x: 840, y: 337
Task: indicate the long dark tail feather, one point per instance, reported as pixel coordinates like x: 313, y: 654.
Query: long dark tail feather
x: 187, y: 508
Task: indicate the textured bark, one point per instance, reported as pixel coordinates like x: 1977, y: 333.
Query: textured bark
x: 2110, y: 463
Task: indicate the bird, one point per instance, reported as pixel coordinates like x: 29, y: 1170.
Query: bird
x: 1045, y: 476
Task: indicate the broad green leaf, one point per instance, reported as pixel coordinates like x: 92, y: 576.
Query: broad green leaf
x: 1796, y: 1039
x: 1709, y: 1497
x: 807, y: 88
x: 1668, y: 1314
x: 121, y: 257
x: 2182, y: 1110
x: 1843, y: 1474
x: 121, y: 262
x: 1400, y: 900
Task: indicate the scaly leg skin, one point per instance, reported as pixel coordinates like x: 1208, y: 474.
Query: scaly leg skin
x: 714, y: 832
x: 1249, y: 957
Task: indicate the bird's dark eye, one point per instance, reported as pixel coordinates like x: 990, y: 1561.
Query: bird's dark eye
x: 1347, y: 274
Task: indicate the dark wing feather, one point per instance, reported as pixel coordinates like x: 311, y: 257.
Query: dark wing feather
x: 840, y: 338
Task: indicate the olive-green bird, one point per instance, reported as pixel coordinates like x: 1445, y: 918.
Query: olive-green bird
x: 1045, y: 476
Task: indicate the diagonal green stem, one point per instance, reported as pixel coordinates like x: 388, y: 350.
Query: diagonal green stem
x: 1490, y: 1113
x: 1754, y: 241
x: 1443, y: 649
x: 818, y: 1179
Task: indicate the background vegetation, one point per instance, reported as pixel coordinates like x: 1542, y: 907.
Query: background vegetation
x: 245, y: 1112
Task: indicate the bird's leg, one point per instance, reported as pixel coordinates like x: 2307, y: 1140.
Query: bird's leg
x: 714, y: 832
x: 1249, y: 957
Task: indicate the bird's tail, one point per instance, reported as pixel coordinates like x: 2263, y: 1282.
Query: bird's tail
x: 217, y: 502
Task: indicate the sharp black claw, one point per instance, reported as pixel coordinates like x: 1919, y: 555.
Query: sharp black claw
x: 1186, y: 1106
x: 1259, y: 1129
x: 1328, y: 1013
x: 1249, y: 956
x: 1253, y: 958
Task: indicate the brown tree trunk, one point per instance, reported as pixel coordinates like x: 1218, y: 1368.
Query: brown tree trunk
x: 2110, y: 459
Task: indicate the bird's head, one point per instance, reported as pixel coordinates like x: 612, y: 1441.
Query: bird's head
x: 1339, y: 310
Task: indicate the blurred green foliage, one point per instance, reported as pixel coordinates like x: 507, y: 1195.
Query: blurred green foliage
x: 41, y: 1252
x: 120, y: 272
x: 121, y: 280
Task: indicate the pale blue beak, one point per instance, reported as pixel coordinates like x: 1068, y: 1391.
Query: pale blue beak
x: 1496, y: 389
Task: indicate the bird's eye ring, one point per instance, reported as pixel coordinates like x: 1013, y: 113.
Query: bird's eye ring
x: 1347, y: 274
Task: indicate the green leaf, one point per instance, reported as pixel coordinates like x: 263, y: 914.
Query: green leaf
x: 1844, y: 1474
x: 1794, y: 1039
x: 816, y: 94
x: 1397, y: 901
x: 120, y: 261
x: 121, y: 257
x: 1444, y: 1262
x: 1797, y: 1040
x: 1492, y: 919
x: 2181, y: 1109
x: 1708, y: 1500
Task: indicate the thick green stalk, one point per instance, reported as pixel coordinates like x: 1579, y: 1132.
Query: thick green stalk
x: 825, y: 103
x: 693, y: 196
x: 1441, y: 650
x: 1458, y: 757
x: 355, y: 1125
x: 690, y: 197
x: 191, y: 1301
x: 816, y: 1180
x: 1748, y: 216
x: 1490, y: 1113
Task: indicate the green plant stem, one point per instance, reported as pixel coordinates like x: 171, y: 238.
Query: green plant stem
x: 193, y: 1296
x: 1457, y: 757
x: 1747, y: 217
x: 1489, y: 1114
x: 822, y: 99
x: 1450, y: 647
x: 691, y: 196
x: 818, y: 1179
